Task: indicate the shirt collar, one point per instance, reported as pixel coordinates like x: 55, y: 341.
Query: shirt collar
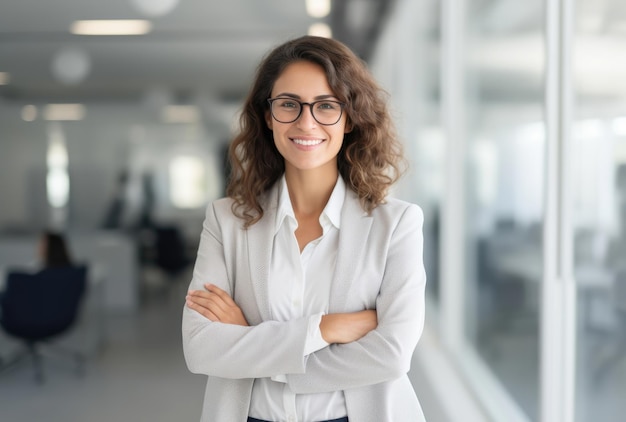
x: 284, y: 208
x: 331, y: 212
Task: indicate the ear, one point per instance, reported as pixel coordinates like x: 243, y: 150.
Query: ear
x: 348, y: 128
x: 269, y: 120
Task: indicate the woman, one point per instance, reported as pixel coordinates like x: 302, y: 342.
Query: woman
x: 307, y: 297
x: 53, y: 251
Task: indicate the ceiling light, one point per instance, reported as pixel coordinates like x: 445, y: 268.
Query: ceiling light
x: 180, y: 114
x: 4, y: 78
x: 29, y: 113
x: 318, y: 8
x: 111, y: 27
x: 320, y: 30
x: 65, y: 112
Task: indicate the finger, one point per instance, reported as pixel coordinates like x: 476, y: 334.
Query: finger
x: 212, y: 289
x: 204, y: 297
x: 215, y: 295
x: 221, y: 293
x: 200, y: 294
x: 210, y: 301
x: 202, y: 310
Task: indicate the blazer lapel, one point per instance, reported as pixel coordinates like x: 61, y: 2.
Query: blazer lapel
x: 260, y: 242
x: 353, y: 234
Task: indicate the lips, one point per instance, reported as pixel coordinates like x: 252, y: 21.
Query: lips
x: 307, y: 142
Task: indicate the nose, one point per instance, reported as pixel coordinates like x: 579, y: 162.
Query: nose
x: 306, y: 118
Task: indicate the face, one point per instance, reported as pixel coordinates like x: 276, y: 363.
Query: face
x: 305, y: 144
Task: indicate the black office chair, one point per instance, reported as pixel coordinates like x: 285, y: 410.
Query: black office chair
x: 39, y: 307
x: 171, y: 253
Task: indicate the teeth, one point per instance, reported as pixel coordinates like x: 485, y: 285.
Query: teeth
x: 307, y: 142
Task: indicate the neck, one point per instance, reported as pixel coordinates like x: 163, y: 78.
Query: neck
x: 310, y: 191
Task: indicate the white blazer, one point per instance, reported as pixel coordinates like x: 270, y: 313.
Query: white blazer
x: 379, y: 266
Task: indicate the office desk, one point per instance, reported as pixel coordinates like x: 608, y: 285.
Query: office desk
x: 591, y: 280
x: 528, y: 264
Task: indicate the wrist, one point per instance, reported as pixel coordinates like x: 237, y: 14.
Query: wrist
x: 327, y: 328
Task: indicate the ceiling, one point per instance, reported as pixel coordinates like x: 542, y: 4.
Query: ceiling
x: 200, y: 47
x: 209, y: 49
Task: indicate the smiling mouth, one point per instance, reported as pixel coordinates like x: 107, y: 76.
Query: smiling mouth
x: 307, y: 142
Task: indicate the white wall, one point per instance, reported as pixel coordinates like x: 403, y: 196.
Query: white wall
x: 99, y: 147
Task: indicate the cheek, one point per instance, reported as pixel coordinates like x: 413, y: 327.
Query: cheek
x: 339, y: 134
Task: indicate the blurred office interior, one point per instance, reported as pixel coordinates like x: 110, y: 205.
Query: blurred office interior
x: 513, y: 116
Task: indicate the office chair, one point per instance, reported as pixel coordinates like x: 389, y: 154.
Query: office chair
x: 38, y: 307
x: 171, y: 253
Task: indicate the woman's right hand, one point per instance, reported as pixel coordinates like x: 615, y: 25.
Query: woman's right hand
x: 347, y: 327
x: 216, y: 305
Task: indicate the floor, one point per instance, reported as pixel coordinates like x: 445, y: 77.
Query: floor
x: 514, y: 357
x: 138, y: 375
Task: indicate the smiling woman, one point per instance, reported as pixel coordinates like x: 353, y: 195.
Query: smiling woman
x: 307, y: 140
x: 309, y: 253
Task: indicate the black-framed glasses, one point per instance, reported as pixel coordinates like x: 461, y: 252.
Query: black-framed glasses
x: 288, y: 110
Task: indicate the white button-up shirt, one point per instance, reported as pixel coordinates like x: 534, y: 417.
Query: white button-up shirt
x: 299, y: 286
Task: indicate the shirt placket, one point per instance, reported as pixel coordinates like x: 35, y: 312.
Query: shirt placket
x: 297, y: 311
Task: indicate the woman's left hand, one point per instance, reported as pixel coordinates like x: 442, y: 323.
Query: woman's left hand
x: 216, y: 305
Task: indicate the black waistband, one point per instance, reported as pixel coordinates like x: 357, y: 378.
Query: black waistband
x: 345, y: 419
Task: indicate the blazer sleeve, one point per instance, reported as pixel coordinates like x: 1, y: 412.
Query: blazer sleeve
x: 385, y: 353
x: 233, y: 351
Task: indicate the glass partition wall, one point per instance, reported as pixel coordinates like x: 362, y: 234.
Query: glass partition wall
x: 504, y: 191
x: 523, y: 175
x: 416, y: 70
x: 598, y: 174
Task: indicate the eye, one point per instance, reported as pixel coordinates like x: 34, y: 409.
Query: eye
x: 328, y: 105
x: 287, y: 103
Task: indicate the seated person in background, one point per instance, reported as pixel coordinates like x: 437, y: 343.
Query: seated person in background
x: 53, y: 251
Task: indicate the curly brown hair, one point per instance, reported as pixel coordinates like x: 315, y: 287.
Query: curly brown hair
x: 371, y: 157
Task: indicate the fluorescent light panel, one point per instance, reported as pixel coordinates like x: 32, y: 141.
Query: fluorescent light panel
x: 64, y: 112
x: 29, y: 113
x: 318, y: 8
x: 111, y: 27
x: 180, y: 114
x: 320, y: 30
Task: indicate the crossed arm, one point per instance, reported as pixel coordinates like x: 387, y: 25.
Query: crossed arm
x: 340, y: 328
x: 366, y: 347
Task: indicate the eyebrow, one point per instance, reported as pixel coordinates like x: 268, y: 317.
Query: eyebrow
x: 297, y: 97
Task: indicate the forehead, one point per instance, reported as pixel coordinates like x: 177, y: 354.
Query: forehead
x: 302, y: 78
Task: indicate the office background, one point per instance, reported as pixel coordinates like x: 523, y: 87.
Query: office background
x: 513, y: 118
